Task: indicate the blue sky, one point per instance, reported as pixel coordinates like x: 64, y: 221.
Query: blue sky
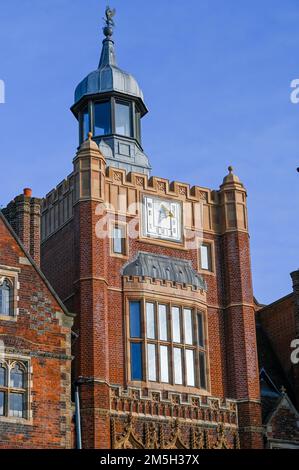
x: 216, y: 77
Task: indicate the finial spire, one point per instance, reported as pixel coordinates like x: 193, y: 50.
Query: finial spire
x: 108, y: 52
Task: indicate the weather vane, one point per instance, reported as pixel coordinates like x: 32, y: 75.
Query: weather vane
x: 108, y: 29
x: 109, y: 16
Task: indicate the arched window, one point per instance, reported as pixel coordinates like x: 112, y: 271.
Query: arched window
x: 17, y: 377
x: 5, y: 298
x: 13, y: 390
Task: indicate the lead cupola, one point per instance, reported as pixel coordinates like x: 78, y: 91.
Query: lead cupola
x: 109, y: 103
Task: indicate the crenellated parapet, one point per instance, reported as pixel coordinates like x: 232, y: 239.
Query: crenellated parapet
x: 122, y: 193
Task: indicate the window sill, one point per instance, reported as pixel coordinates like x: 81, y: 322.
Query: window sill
x: 10, y: 318
x: 162, y: 242
x: 20, y: 421
x: 206, y: 272
x: 119, y: 256
x: 165, y: 387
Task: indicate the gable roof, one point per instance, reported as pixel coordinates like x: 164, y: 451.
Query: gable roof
x: 35, y: 266
x: 283, y: 402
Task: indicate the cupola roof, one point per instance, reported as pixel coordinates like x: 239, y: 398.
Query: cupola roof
x: 108, y: 77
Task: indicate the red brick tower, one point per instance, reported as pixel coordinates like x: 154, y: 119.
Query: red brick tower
x: 92, y: 367
x: 243, y: 383
x: 159, y: 276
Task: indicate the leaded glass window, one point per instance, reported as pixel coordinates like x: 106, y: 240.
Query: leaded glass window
x: 13, y: 389
x: 6, y: 296
x: 167, y: 344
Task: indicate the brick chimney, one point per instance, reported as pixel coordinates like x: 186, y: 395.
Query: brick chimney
x: 23, y: 214
x: 295, y: 279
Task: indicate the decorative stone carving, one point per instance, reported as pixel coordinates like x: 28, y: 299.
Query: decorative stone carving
x: 221, y: 439
x: 175, y: 399
x: 203, y: 196
x: 139, y: 181
x: 140, y: 433
x: 161, y: 186
x: 156, y: 396
x: 135, y: 394
x: 128, y: 439
x: 176, y: 440
x: 182, y: 191
x: 117, y: 176
x: 152, y: 437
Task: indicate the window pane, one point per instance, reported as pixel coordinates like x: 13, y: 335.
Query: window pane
x: 17, y: 377
x: 85, y: 123
x: 138, y: 126
x: 102, y: 118
x: 2, y: 398
x: 163, y: 322
x: 190, y: 367
x: 123, y: 119
x: 136, y: 361
x: 150, y: 321
x: 188, y: 326
x: 118, y: 240
x: 16, y: 405
x: 2, y: 376
x: 205, y: 257
x: 176, y: 324
x: 200, y: 330
x: 178, y: 374
x: 202, y: 370
x: 5, y: 294
x: 151, y: 362
x: 135, y: 323
x: 164, y: 368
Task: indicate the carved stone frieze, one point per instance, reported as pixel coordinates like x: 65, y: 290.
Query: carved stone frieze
x: 136, y: 432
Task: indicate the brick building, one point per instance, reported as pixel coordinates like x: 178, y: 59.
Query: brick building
x: 159, y: 276
x: 35, y: 339
x: 277, y: 328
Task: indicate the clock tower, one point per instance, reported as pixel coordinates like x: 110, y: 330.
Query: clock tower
x: 159, y: 276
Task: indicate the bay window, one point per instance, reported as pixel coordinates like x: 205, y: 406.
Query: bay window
x: 167, y: 344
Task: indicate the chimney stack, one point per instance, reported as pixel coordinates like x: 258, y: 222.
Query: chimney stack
x: 24, y: 215
x: 295, y: 279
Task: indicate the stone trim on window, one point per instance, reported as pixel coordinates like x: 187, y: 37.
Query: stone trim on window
x: 15, y: 389
x: 124, y: 243
x: 143, y: 340
x: 10, y: 275
x: 211, y: 269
